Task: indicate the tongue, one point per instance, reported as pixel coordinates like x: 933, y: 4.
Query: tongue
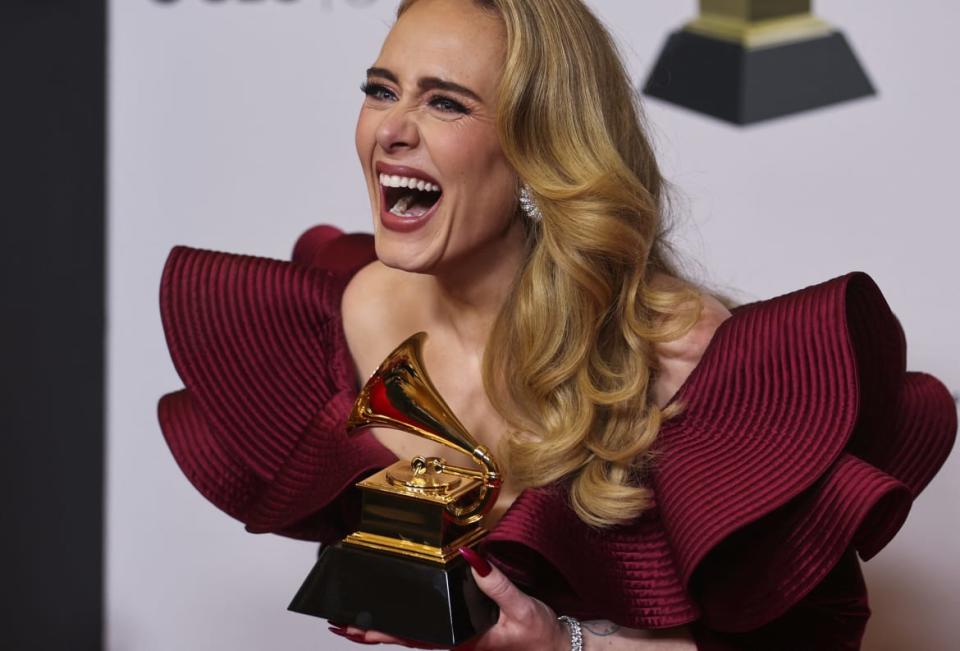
x: 412, y: 205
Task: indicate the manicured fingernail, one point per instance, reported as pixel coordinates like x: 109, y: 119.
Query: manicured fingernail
x: 477, y: 562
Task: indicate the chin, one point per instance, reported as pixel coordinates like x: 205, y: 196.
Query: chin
x: 412, y: 252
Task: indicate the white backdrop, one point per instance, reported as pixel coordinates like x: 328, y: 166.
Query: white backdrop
x: 231, y: 127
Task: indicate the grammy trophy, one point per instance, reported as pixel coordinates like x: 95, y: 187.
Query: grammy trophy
x: 401, y: 573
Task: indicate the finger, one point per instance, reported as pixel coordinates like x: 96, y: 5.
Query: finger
x: 364, y: 636
x: 383, y: 638
x: 358, y: 638
x: 496, y: 585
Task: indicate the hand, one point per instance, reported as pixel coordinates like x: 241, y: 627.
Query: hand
x: 525, y: 624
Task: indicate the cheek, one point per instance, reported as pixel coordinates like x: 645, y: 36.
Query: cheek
x: 495, y: 188
x: 365, y: 135
x: 365, y: 140
x: 481, y: 169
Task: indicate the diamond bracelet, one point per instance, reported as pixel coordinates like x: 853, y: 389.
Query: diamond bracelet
x: 576, y: 632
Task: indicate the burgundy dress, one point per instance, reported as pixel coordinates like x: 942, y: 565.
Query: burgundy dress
x: 802, y: 446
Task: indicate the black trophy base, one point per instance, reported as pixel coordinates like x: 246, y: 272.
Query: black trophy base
x: 414, y: 599
x: 743, y: 86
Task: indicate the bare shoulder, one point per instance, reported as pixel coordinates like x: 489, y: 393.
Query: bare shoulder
x: 370, y: 314
x: 676, y: 359
x: 361, y: 297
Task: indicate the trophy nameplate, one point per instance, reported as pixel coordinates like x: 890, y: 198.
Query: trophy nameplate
x: 401, y: 572
x: 750, y: 60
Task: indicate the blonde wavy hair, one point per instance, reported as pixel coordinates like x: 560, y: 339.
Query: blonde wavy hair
x: 570, y: 362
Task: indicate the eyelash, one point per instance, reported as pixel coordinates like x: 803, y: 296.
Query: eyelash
x: 440, y: 102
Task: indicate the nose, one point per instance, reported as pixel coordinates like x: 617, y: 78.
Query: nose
x: 398, y: 130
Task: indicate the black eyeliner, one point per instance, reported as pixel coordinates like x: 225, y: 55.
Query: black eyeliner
x: 456, y: 107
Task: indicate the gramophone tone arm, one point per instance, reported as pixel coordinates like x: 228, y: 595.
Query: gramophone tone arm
x: 487, y: 477
x: 491, y: 480
x: 460, y: 471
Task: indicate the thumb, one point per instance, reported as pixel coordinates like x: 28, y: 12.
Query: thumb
x: 495, y: 584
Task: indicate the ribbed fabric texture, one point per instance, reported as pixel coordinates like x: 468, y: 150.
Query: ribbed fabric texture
x: 802, y: 439
x: 259, y: 429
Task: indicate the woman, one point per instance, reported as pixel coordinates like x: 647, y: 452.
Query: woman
x: 678, y: 477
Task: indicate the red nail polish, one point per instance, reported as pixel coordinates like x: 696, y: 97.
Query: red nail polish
x: 477, y: 562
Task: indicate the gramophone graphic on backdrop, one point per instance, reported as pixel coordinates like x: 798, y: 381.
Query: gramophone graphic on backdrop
x: 744, y: 61
x: 401, y: 572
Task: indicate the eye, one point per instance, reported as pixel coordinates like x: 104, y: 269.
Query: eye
x: 376, y: 91
x: 447, y: 105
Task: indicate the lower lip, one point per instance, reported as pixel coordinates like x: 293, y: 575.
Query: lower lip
x: 404, y: 224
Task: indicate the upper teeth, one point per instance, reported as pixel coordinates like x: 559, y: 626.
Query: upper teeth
x: 407, y: 182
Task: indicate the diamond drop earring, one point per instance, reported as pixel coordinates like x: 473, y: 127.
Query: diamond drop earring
x: 528, y: 205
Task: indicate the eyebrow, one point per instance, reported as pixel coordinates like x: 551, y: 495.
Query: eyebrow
x: 427, y: 83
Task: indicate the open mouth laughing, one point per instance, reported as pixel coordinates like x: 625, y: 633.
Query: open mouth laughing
x: 408, y: 196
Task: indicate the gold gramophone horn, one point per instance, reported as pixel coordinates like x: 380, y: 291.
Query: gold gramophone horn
x: 400, y: 395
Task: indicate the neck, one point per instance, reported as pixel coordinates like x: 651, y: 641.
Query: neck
x: 467, y: 295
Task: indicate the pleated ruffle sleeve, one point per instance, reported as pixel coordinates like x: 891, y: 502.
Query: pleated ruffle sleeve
x: 803, y: 437
x: 259, y: 427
